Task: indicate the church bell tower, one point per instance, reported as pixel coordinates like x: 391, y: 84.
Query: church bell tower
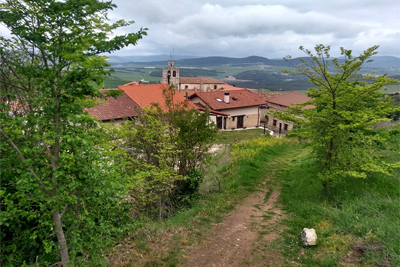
x: 170, y: 75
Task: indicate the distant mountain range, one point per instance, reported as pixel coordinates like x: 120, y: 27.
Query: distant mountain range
x: 127, y: 59
x: 180, y: 60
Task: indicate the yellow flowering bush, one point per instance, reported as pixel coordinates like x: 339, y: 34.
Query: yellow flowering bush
x: 248, y: 149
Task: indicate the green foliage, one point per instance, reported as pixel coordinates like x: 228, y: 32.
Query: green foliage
x: 230, y: 137
x: 340, y: 125
x: 346, y: 216
x: 250, y: 148
x: 59, y: 185
x: 395, y: 114
x: 167, y: 148
x: 153, y: 161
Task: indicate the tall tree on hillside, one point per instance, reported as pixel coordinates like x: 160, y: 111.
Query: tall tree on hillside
x: 168, y: 148
x: 53, y: 176
x: 340, y: 125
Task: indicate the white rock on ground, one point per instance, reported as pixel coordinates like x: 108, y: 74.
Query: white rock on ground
x: 309, y: 237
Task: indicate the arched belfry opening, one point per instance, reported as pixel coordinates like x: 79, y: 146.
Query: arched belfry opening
x: 170, y: 74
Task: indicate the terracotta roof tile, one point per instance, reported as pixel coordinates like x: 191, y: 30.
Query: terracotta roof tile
x: 244, y: 98
x: 228, y: 87
x: 268, y: 96
x: 146, y: 94
x: 190, y: 92
x: 289, y: 98
x: 199, y: 80
x: 202, y: 107
x: 113, y: 108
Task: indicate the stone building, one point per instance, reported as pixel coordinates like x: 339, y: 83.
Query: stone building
x: 281, y: 103
x: 237, y: 109
x: 170, y: 75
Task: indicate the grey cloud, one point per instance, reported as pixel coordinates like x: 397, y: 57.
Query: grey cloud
x: 213, y: 21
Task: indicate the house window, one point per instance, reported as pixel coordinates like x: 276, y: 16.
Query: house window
x: 174, y: 73
x: 274, y: 122
x: 285, y: 127
x: 215, y: 86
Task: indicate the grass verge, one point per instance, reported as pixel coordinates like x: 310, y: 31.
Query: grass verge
x: 357, y: 222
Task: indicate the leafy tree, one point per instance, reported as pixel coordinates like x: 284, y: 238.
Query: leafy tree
x: 340, y: 125
x: 153, y: 159
x: 168, y: 147
x: 194, y: 133
x: 57, y: 186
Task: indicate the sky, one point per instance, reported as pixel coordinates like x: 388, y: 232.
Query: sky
x: 268, y: 28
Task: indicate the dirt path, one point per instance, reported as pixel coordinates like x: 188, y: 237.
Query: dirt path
x: 239, y: 239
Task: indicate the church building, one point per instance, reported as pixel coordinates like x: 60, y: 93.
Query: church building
x: 170, y: 75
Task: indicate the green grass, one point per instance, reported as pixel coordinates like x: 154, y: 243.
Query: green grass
x: 354, y: 213
x: 114, y: 83
x: 391, y: 88
x: 237, y: 136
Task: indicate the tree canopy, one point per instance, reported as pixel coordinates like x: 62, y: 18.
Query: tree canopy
x: 340, y: 127
x: 58, y: 189
x: 167, y: 151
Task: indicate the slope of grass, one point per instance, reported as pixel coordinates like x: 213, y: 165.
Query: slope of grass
x: 357, y: 222
x: 237, y: 136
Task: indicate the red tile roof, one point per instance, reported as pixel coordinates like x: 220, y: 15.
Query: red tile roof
x: 146, y: 94
x: 190, y: 92
x: 203, y: 108
x: 199, y: 80
x: 112, y: 108
x: 289, y: 98
x: 268, y: 96
x: 244, y: 98
x: 228, y: 87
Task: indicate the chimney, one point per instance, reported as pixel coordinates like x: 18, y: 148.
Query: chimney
x: 187, y: 92
x: 226, y: 97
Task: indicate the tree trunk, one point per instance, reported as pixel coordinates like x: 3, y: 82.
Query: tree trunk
x: 61, y: 238
x: 159, y: 207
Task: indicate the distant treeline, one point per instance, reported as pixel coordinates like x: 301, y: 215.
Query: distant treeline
x: 189, y: 73
x: 127, y: 70
x: 284, y: 86
x: 268, y: 77
x: 261, y: 79
x: 274, y: 81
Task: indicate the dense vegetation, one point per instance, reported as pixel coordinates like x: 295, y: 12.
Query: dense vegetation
x: 340, y: 127
x: 166, y: 153
x: 356, y: 216
x: 58, y: 186
x: 273, y: 81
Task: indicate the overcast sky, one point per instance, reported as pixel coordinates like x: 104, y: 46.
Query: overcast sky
x: 269, y: 28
